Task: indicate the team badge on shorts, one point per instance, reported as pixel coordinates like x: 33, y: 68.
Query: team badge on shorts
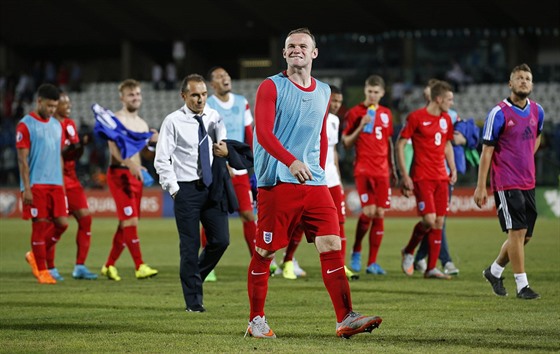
x: 267, y: 237
x: 421, y: 206
x: 127, y: 210
x: 34, y: 212
x: 364, y: 198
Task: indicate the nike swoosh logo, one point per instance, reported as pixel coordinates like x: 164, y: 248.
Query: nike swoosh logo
x: 305, y: 99
x: 426, y: 123
x: 329, y: 271
x: 253, y: 273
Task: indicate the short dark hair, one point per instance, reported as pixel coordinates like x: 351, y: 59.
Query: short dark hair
x: 335, y: 90
x: 211, y: 72
x: 49, y: 92
x: 375, y: 80
x: 189, y: 78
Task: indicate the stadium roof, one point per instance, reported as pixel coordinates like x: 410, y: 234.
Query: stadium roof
x: 37, y: 23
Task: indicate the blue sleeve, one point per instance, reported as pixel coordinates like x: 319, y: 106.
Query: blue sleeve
x: 541, y: 119
x: 493, y: 126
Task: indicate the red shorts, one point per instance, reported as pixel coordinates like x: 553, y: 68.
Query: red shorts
x: 432, y: 197
x: 49, y: 201
x: 76, y: 198
x: 282, y: 207
x: 337, y: 194
x: 374, y: 191
x: 126, y: 191
x: 243, y: 192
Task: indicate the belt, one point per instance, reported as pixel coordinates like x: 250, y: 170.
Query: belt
x: 196, y: 182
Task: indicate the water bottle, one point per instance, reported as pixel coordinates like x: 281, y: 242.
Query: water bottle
x: 368, y: 128
x: 148, y: 179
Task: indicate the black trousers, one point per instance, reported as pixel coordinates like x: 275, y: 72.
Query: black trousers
x: 193, y: 206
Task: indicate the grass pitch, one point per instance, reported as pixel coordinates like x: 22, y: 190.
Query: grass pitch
x: 148, y: 316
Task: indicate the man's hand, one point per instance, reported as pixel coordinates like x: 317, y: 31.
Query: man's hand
x: 27, y: 197
x: 453, y: 177
x: 220, y: 149
x: 154, y: 138
x: 480, y: 196
x: 300, y: 171
x: 407, y: 186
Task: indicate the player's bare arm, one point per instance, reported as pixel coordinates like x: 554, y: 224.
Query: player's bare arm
x: 480, y: 193
x: 407, y: 186
x: 450, y: 157
x: 349, y: 140
x: 22, y: 155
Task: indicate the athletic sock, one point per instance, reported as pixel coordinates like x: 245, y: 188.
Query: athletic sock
x: 434, y: 246
x: 257, y: 283
x: 250, y: 232
x: 132, y: 241
x: 375, y: 238
x: 418, y: 234
x: 83, y: 238
x: 342, y: 242
x: 38, y: 244
x: 334, y: 278
x: 295, y: 239
x: 203, y: 240
x: 521, y: 281
x: 53, y: 235
x: 117, y: 247
x: 361, y: 230
x: 496, y: 270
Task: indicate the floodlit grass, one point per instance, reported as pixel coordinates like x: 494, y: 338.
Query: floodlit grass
x: 419, y: 315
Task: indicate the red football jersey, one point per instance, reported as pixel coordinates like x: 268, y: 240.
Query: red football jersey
x: 69, y: 136
x: 372, y: 149
x: 429, y: 136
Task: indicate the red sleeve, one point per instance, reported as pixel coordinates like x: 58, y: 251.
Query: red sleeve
x: 350, y: 119
x: 249, y: 135
x: 22, y: 137
x: 265, y: 115
x: 324, y: 141
x: 409, y: 127
x: 71, y: 132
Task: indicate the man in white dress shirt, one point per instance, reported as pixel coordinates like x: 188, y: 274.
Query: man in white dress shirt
x: 180, y: 162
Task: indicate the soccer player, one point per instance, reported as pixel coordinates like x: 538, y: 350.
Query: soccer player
x: 125, y: 179
x: 369, y: 126
x: 444, y: 255
x: 236, y: 114
x: 290, y: 151
x: 290, y: 267
x: 77, y: 201
x: 39, y: 143
x: 511, y: 136
x: 431, y: 132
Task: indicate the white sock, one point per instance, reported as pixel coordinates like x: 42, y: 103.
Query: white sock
x: 496, y: 270
x: 521, y: 281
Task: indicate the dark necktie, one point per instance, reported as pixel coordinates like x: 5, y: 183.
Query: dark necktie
x: 204, y: 152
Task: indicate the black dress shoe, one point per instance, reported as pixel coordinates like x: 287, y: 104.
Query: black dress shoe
x: 196, y: 308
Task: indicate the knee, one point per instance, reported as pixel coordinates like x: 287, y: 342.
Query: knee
x: 264, y: 253
x: 379, y: 213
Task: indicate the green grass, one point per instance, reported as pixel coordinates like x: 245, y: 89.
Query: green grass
x: 148, y: 316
